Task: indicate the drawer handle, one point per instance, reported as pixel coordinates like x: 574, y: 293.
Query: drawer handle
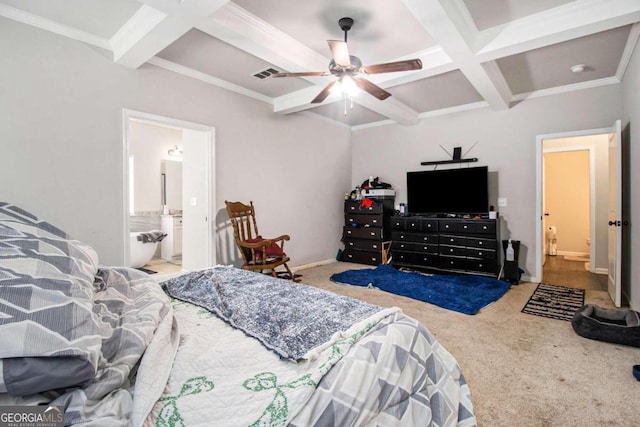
x: 480, y: 243
x: 484, y: 227
x: 373, y: 234
x: 350, y: 243
x: 480, y: 265
x: 466, y: 226
x: 479, y: 253
x: 348, y: 231
x: 412, y: 224
x: 452, y: 240
x: 451, y: 250
x: 374, y: 221
x: 375, y: 246
x: 350, y: 256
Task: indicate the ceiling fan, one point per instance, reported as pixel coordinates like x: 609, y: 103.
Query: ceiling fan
x: 348, y: 69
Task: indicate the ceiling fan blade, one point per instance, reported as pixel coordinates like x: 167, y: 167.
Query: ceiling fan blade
x: 323, y: 93
x: 372, y: 89
x: 340, y: 52
x: 390, y: 67
x: 302, y: 74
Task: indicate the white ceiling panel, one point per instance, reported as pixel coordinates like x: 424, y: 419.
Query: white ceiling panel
x: 383, y: 30
x: 98, y: 17
x: 549, y: 67
x: 489, y: 13
x: 437, y: 92
x: 358, y: 115
x: 209, y: 55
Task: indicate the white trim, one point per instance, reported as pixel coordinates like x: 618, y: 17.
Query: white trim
x: 604, y: 271
x: 634, y: 33
x: 538, y: 211
x: 138, y: 26
x: 572, y: 253
x: 456, y: 109
x: 203, y: 77
x: 566, y: 88
x: 384, y: 122
x: 133, y: 115
x: 313, y: 264
x: 54, y: 27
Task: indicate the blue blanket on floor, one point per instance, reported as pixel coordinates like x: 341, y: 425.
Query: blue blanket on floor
x: 463, y: 293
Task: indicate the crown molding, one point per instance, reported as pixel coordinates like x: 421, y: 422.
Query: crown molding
x: 53, y: 27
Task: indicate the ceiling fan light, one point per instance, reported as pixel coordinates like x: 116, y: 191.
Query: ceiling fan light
x: 349, y: 87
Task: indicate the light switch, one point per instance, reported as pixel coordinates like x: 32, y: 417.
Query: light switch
x: 502, y: 201
x: 194, y: 201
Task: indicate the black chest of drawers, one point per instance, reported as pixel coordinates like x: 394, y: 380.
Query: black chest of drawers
x: 446, y: 244
x: 366, y: 232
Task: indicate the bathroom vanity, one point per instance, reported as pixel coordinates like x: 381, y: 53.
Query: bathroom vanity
x: 171, y: 249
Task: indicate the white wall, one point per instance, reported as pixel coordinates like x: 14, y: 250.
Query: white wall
x: 631, y: 208
x: 506, y: 143
x: 61, y: 107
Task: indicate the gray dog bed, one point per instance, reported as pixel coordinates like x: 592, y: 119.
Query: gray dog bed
x: 619, y: 326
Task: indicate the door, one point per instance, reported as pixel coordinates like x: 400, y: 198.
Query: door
x: 615, y: 214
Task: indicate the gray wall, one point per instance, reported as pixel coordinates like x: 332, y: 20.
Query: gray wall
x: 631, y: 137
x: 506, y: 143
x: 61, y: 107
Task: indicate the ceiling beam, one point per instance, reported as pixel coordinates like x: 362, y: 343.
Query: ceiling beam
x: 156, y: 25
x: 448, y: 26
x: 575, y: 19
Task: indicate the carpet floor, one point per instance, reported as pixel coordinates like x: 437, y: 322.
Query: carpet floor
x: 522, y: 370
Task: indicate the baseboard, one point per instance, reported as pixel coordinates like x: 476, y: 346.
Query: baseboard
x: 313, y: 264
x: 569, y: 253
x: 602, y: 271
x: 526, y: 278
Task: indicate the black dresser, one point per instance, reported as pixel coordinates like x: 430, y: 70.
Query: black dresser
x: 446, y: 244
x: 367, y: 232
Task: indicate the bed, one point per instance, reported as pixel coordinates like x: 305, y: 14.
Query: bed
x: 112, y: 346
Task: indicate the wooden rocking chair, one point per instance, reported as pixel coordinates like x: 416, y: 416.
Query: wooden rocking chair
x: 258, y: 253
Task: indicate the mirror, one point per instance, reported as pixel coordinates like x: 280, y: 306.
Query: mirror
x: 171, y: 184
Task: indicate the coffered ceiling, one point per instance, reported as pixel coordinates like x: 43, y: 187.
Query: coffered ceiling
x: 474, y: 53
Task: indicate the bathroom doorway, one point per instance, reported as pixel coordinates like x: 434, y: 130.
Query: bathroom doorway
x: 169, y: 188
x: 579, y: 259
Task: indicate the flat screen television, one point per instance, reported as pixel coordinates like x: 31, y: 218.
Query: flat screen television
x: 449, y: 191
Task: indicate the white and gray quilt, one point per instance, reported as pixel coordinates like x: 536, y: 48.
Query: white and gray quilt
x: 111, y: 347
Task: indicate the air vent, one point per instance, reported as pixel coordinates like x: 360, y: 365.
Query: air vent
x: 265, y: 73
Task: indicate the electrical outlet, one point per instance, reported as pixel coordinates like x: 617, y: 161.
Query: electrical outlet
x: 502, y: 201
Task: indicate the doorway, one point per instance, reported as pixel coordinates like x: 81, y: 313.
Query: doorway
x: 188, y: 201
x: 572, y: 208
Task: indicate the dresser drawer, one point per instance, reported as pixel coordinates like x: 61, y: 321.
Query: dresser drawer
x: 485, y: 227
x: 374, y: 220
x: 400, y: 236
x: 481, y: 253
x: 452, y: 240
x: 362, y: 233
x: 483, y: 266
x: 453, y: 263
x: 397, y: 223
x: 415, y: 258
x: 362, y: 257
x: 453, y: 250
x: 351, y: 206
x: 480, y: 243
x: 363, y: 245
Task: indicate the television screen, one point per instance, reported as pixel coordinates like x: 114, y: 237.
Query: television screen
x: 455, y: 191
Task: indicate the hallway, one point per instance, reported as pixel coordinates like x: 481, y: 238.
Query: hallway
x: 559, y: 271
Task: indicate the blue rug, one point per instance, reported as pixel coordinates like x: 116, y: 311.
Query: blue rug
x: 466, y: 294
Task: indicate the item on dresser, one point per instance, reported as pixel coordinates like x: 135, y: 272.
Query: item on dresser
x: 446, y: 244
